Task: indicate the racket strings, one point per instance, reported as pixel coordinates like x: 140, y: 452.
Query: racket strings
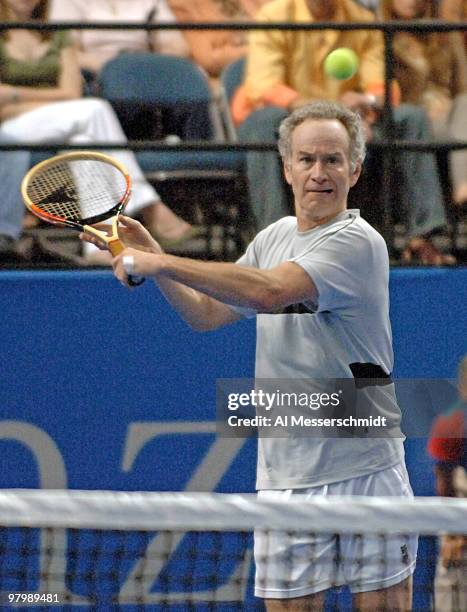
x: 76, y: 190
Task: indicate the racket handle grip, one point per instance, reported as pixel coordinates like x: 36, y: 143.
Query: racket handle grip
x: 135, y: 281
x: 116, y: 247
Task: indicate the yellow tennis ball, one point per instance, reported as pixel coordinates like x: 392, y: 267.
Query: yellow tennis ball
x: 341, y: 64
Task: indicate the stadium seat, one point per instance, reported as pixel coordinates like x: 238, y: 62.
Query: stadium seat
x: 231, y: 79
x: 155, y: 83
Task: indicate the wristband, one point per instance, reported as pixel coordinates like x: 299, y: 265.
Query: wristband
x: 371, y: 98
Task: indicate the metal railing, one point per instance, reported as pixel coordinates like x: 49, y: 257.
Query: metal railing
x: 387, y: 28
x: 388, y: 144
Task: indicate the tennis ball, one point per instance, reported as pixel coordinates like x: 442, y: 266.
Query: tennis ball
x: 341, y: 64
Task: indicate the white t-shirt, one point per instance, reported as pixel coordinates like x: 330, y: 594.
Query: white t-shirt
x: 108, y: 43
x: 348, y: 262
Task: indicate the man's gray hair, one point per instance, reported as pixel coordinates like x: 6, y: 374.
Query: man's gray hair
x: 325, y: 110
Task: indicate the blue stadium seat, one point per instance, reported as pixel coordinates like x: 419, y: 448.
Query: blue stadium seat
x: 150, y: 81
x: 231, y: 79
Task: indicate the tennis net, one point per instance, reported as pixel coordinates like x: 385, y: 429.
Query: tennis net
x: 102, y: 550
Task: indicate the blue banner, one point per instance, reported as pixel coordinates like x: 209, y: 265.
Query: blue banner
x: 105, y: 388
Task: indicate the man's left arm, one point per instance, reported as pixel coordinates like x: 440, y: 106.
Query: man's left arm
x: 230, y: 283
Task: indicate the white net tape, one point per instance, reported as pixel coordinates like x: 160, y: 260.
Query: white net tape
x: 229, y: 512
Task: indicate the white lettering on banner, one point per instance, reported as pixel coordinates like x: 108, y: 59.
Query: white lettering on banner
x: 205, y: 478
x: 207, y: 475
x: 52, y: 475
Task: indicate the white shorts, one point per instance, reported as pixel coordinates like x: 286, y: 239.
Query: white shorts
x: 297, y: 564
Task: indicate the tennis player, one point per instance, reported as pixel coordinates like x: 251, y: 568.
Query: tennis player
x: 318, y: 285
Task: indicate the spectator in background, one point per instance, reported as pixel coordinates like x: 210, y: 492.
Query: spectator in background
x: 454, y: 10
x: 371, y: 5
x: 431, y: 70
x: 215, y: 49
x: 285, y: 71
x: 96, y: 47
x: 40, y: 101
x: 447, y: 445
x: 13, y: 166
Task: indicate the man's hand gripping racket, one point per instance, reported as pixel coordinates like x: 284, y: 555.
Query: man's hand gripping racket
x: 78, y: 190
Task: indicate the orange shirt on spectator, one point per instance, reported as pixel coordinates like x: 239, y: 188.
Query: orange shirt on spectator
x: 284, y: 65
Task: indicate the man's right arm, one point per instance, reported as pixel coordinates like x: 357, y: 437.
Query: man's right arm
x: 210, y: 294
x: 200, y: 311
x: 197, y: 309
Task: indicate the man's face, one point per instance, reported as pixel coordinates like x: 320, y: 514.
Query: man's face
x: 319, y: 171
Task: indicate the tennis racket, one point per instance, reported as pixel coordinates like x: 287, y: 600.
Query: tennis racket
x: 80, y: 189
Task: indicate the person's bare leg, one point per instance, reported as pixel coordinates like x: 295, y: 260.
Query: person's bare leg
x: 164, y: 223
x: 397, y: 598
x: 460, y: 194
x: 310, y: 603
